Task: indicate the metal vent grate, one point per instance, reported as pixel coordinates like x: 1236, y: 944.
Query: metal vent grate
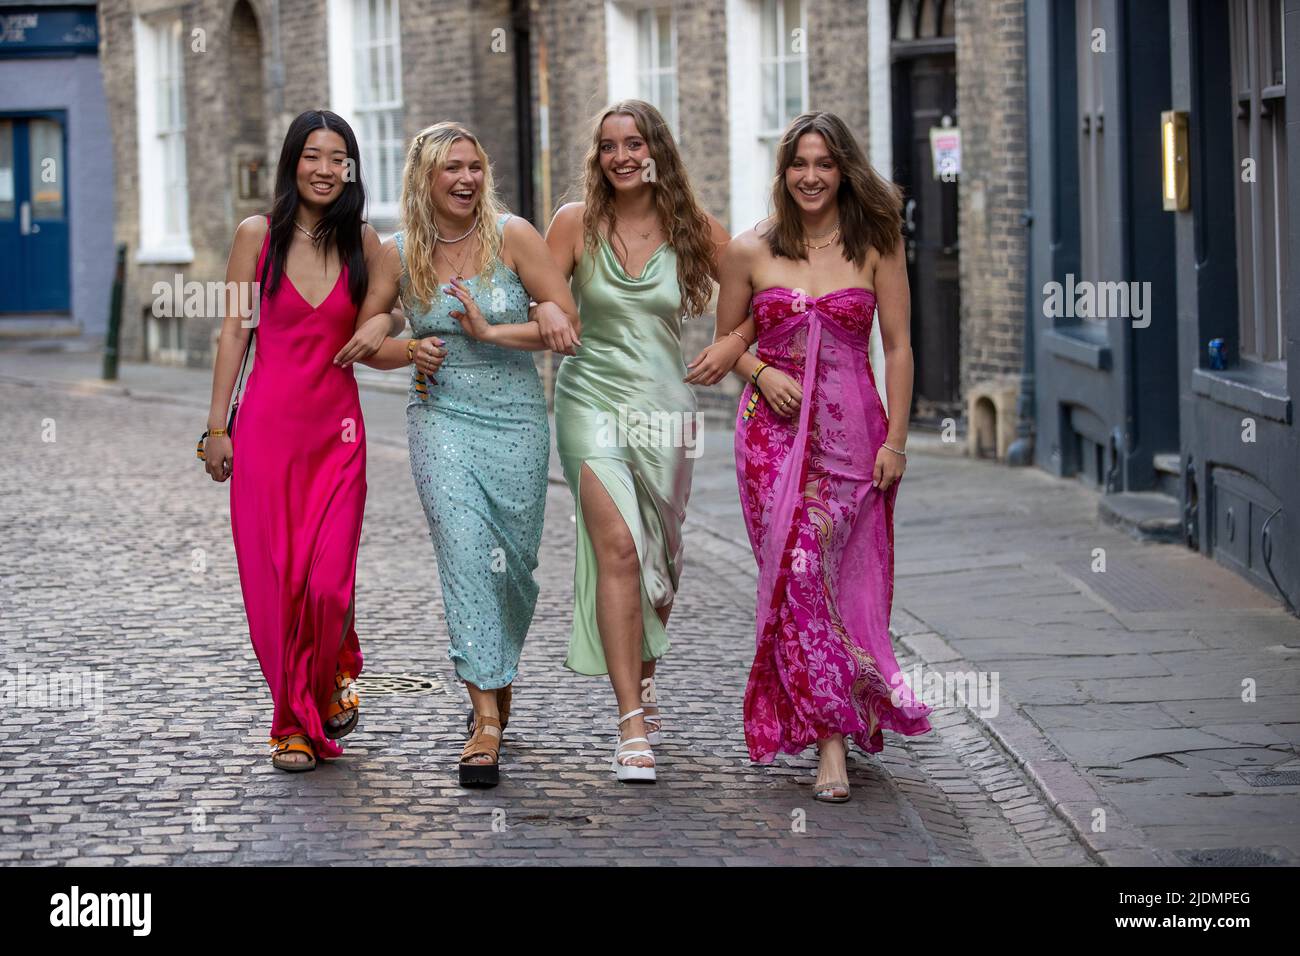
x: 384, y: 684
x: 1271, y: 778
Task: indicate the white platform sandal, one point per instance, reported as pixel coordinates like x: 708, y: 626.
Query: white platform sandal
x: 653, y: 722
x: 626, y: 772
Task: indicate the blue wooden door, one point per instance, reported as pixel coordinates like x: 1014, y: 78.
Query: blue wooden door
x: 34, y: 262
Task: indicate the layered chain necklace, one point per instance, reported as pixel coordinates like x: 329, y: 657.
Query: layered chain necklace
x: 460, y: 269
x: 808, y: 240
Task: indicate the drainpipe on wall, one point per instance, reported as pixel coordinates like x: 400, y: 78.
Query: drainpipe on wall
x: 520, y: 20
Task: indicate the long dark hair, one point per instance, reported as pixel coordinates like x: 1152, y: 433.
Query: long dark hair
x: 870, y: 206
x: 342, y: 223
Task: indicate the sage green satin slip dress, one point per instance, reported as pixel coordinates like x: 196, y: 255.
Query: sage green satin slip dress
x: 622, y: 409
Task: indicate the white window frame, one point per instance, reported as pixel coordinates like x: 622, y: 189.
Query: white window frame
x: 377, y: 121
x: 161, y: 142
x: 749, y: 147
x: 625, y: 71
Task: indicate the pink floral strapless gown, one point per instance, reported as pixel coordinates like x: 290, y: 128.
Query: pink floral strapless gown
x: 297, y: 497
x: 822, y: 535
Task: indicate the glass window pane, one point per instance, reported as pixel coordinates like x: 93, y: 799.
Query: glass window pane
x: 771, y: 93
x: 793, y: 21
x: 770, y: 44
x: 1277, y: 74
x: 929, y: 19
x: 46, y: 162
x: 665, y: 40
x: 793, y: 90
x: 7, y: 199
x: 645, y: 41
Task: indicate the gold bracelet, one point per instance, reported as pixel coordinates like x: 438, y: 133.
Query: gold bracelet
x: 894, y: 450
x: 739, y: 336
x: 216, y: 432
x: 411, y: 346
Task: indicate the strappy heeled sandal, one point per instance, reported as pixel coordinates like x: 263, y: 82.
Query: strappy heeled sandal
x: 504, y: 696
x: 486, y: 739
x: 653, y: 722
x: 627, y: 772
x: 286, y: 745
x: 826, y: 792
x: 346, y: 701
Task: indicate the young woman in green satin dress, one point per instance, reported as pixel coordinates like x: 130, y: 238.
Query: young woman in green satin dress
x: 642, y: 255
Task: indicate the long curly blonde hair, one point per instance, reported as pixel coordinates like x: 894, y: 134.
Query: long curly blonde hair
x: 425, y: 158
x: 679, y: 212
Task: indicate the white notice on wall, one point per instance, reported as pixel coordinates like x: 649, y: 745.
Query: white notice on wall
x: 945, y: 152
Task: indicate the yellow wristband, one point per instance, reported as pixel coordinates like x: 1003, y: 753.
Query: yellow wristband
x: 411, y: 346
x: 216, y: 432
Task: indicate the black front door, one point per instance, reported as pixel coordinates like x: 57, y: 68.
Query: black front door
x: 924, y: 98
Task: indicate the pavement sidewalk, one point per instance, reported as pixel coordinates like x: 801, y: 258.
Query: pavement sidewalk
x: 1152, y: 695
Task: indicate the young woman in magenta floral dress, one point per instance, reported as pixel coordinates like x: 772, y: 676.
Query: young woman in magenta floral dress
x: 817, y: 459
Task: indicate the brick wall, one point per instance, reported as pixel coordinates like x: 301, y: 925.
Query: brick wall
x: 994, y: 187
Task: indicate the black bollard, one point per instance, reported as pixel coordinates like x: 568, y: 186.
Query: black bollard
x: 115, y: 317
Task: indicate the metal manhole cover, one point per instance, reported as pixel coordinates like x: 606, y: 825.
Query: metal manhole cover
x: 382, y: 684
x: 1228, y: 856
x: 1271, y: 778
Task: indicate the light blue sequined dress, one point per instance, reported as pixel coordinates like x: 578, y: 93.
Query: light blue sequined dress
x: 479, y: 444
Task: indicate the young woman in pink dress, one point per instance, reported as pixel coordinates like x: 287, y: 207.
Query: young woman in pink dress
x: 298, y: 488
x: 817, y: 460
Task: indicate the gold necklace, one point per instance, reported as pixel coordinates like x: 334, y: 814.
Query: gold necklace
x: 833, y: 233
x: 303, y: 230
x: 644, y: 235
x: 460, y: 269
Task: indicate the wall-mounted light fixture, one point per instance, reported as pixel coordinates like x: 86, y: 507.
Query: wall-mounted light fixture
x: 1173, y: 158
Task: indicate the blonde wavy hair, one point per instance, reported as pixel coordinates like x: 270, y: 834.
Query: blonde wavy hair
x: 679, y: 212
x: 426, y: 157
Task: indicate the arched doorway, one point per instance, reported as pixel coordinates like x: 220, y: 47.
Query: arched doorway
x: 251, y: 175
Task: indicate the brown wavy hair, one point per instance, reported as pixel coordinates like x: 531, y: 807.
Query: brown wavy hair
x: 679, y: 212
x: 870, y: 206
x: 426, y: 156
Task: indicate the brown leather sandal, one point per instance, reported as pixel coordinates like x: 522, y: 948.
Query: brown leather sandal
x: 286, y: 745
x: 504, y: 696
x: 486, y: 739
x: 346, y: 701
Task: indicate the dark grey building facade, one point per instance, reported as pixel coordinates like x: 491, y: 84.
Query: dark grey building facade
x: 1166, y: 341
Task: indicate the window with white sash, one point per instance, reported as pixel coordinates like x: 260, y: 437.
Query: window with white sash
x: 365, y: 44
x: 641, y: 55
x: 160, y: 121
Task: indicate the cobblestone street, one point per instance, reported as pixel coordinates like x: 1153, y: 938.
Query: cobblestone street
x: 116, y: 560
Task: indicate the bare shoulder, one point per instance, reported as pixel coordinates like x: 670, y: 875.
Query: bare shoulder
x: 369, y: 238
x: 519, y: 229
x: 748, y: 246
x: 567, y: 220
x: 390, y: 257
x: 717, y: 231
x: 252, y: 231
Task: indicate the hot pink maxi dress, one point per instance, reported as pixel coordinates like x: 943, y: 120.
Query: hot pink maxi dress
x: 297, y: 496
x: 822, y: 535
